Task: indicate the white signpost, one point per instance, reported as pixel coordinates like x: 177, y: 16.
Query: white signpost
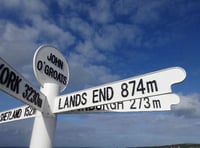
x: 148, y: 92
x: 147, y: 85
x: 50, y: 66
x: 18, y: 113
x: 17, y: 86
x: 51, y: 71
x: 155, y: 103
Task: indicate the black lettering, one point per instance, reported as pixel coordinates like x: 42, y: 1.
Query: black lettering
x: 16, y: 114
x: 59, y: 77
x: 10, y: 79
x: 55, y: 74
x: 156, y: 104
x: 60, y: 64
x: 1, y: 66
x: 49, y: 57
x: 51, y: 72
x: 34, y: 99
x: 104, y: 94
x: 84, y: 99
x: 99, y: 107
x: 29, y: 111
x: 4, y: 76
x: 120, y: 103
x: 56, y: 61
x: 72, y: 100
x: 95, y: 95
x: 64, y: 80
x: 17, y: 83
x: 106, y: 107
x: 152, y: 86
x: 32, y: 96
x: 39, y: 65
x: 5, y: 116
x: 109, y: 93
x: 46, y: 70
x: 113, y: 106
x: 141, y: 87
x: 53, y: 59
x: 59, y: 105
x: 90, y: 108
x: 78, y: 100
x: 14, y: 82
x: 133, y: 104
x: 9, y: 115
x: 66, y: 102
x: 124, y: 90
x: 147, y: 105
x: 39, y: 102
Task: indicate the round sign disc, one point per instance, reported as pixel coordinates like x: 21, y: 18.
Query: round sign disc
x: 50, y: 66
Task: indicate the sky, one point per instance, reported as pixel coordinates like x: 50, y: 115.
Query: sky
x: 104, y: 41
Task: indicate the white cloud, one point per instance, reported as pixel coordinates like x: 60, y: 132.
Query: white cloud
x: 109, y: 37
x: 80, y: 26
x: 26, y: 38
x: 83, y: 70
x: 189, y: 106
x: 13, y: 33
x: 17, y: 47
x: 53, y: 34
x: 16, y: 44
x: 20, y: 131
x: 101, y: 12
x: 29, y: 7
x: 148, y: 12
x: 89, y: 53
x: 125, y: 7
x: 125, y: 129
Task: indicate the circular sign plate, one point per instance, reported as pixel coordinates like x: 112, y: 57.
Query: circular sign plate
x: 50, y: 66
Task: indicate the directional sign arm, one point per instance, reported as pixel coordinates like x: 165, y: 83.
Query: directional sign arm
x: 17, y: 86
x: 19, y: 113
x: 155, y: 103
x: 151, y: 84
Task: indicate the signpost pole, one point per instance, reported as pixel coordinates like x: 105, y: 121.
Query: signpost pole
x: 45, y: 125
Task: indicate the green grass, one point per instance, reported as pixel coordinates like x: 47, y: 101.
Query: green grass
x: 174, y: 146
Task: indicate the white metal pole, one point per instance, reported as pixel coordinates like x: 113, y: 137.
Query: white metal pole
x: 45, y: 125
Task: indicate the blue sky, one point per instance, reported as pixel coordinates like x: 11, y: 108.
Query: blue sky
x: 104, y: 41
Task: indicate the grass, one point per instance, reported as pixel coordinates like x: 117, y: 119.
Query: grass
x: 174, y: 146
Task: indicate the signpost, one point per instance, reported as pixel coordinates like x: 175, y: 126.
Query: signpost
x: 155, y: 103
x: 50, y: 66
x: 17, y: 86
x: 147, y: 85
x: 51, y: 71
x: 148, y: 92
